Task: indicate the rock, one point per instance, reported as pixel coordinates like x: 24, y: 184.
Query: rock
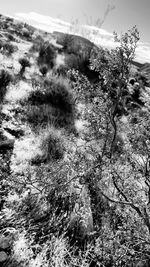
x: 3, y: 256
x: 6, y: 145
x: 5, y: 242
x: 15, y: 132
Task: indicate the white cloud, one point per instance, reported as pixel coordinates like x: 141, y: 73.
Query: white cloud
x: 97, y: 35
x: 45, y: 23
x: 143, y: 53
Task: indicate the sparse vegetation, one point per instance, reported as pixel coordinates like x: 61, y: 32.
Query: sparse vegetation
x: 74, y: 152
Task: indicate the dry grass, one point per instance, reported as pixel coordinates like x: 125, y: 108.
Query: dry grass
x: 52, y: 143
x: 17, y: 92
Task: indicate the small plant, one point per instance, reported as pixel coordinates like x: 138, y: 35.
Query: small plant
x: 24, y: 62
x: 43, y: 69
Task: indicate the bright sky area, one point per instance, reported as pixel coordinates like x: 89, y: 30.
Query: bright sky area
x: 126, y: 13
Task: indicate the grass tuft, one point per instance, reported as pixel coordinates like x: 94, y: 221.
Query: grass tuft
x: 54, y: 104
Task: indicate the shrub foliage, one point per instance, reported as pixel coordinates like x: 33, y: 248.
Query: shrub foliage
x: 79, y: 198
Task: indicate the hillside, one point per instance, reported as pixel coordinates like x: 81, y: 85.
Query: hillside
x: 144, y: 69
x: 74, y: 153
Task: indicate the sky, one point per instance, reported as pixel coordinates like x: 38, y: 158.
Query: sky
x: 123, y: 15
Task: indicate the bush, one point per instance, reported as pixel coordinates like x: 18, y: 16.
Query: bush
x: 47, y: 54
x: 5, y: 79
x: 24, y: 62
x: 56, y: 92
x: 8, y: 48
x: 45, y: 114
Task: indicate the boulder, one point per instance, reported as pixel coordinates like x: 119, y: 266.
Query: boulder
x: 5, y: 242
x: 3, y: 256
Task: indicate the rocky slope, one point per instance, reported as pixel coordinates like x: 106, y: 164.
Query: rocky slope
x: 39, y: 119
x: 46, y: 109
